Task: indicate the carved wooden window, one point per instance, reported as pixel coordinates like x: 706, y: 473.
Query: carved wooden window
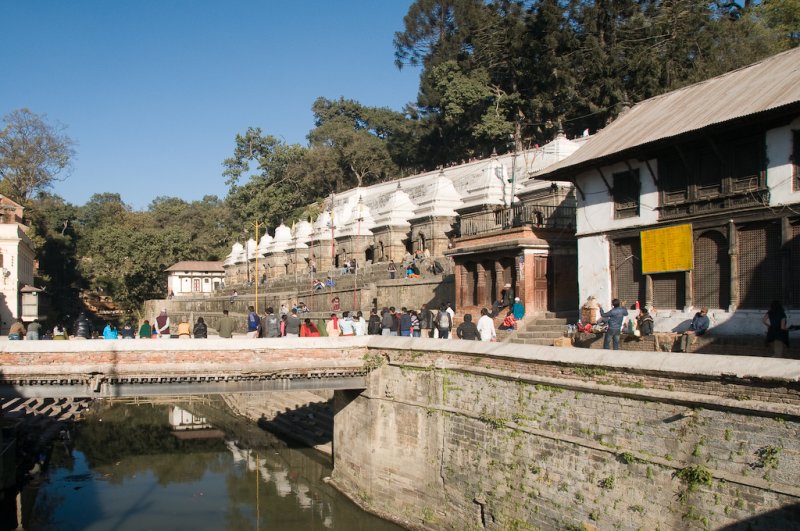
x: 669, y: 290
x: 759, y: 265
x: 745, y: 164
x: 713, y: 174
x: 627, y: 281
x: 626, y: 194
x: 711, y: 277
x: 708, y: 174
x: 673, y: 179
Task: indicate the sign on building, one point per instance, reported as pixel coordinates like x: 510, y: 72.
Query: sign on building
x: 668, y: 249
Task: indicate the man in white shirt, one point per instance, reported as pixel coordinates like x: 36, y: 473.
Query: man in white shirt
x: 486, y: 326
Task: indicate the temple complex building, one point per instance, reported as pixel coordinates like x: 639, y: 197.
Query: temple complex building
x: 487, y: 221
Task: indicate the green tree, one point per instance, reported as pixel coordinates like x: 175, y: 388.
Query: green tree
x: 33, y: 154
x: 358, y: 137
x: 274, y: 190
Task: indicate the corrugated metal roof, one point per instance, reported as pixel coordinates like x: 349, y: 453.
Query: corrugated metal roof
x: 197, y: 265
x: 769, y: 84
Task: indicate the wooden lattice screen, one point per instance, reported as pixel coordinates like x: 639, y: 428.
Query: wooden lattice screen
x: 669, y: 290
x: 711, y: 278
x: 759, y: 265
x: 627, y: 277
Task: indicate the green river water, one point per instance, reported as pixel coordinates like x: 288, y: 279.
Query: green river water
x: 186, y: 467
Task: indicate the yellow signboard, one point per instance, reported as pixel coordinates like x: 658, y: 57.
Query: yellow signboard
x: 667, y: 249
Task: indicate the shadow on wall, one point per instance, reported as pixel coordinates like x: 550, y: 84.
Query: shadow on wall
x: 310, y: 425
x: 771, y: 520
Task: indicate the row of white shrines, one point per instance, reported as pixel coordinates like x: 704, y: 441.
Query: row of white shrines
x: 387, y: 221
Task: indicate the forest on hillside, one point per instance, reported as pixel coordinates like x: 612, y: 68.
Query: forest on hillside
x: 495, y: 75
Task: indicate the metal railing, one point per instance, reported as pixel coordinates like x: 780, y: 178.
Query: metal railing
x: 539, y: 216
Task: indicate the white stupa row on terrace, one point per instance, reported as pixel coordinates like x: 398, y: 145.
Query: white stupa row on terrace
x: 439, y: 193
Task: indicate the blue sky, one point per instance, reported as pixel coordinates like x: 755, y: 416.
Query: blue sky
x: 155, y: 91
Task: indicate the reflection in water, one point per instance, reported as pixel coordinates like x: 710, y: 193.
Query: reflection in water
x: 163, y: 467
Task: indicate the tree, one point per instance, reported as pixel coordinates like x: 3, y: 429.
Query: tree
x: 33, y: 154
x: 358, y: 139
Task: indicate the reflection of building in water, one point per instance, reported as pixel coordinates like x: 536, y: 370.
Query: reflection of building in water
x: 180, y: 419
x: 286, y: 480
x: 188, y: 426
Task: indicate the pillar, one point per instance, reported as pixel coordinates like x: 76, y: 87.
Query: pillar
x: 481, y: 284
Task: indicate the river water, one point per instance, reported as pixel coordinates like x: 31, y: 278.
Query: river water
x: 186, y: 466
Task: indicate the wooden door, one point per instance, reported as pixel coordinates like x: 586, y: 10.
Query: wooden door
x: 540, y: 283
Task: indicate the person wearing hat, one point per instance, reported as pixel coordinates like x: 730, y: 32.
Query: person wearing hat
x: 518, y: 309
x: 503, y: 301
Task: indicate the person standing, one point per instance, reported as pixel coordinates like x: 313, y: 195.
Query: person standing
x: 200, y: 330
x: 485, y: 326
x: 425, y: 321
x: 777, y: 329
x: 271, y: 326
x: 374, y: 323
x: 405, y: 322
x: 387, y: 322
x: 360, y: 324
x: 253, y: 323
x: 614, y: 317
x: 415, y: 331
x: 392, y: 269
x: 444, y: 323
x: 226, y: 325
x: 332, y: 326
x: 34, y: 330
x: 292, y: 325
x: 467, y: 330
x: 346, y: 325
x: 162, y: 324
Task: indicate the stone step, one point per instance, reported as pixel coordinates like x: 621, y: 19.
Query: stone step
x: 545, y: 328
x: 548, y: 322
x: 534, y: 341
x: 542, y: 334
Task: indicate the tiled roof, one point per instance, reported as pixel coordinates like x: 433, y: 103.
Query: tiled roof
x: 197, y: 265
x: 768, y: 85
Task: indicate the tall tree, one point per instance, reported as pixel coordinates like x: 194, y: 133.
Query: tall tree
x: 274, y: 190
x: 33, y: 154
x: 359, y: 137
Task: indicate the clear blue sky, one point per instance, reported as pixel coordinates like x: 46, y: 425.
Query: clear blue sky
x: 154, y: 91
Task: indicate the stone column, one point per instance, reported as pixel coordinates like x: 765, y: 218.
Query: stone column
x: 460, y: 278
x: 481, y: 284
x: 500, y: 276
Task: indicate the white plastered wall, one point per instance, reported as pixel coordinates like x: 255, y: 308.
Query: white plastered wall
x: 779, y: 165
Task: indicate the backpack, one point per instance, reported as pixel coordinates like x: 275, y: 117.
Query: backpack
x: 443, y: 319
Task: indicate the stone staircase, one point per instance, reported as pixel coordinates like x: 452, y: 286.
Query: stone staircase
x: 541, y: 330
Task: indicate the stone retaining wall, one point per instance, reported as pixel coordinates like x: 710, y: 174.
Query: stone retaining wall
x: 511, y: 437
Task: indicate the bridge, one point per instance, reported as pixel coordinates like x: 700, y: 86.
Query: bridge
x: 126, y: 368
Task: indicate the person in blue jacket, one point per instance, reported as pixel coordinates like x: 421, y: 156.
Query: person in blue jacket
x: 614, y: 317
